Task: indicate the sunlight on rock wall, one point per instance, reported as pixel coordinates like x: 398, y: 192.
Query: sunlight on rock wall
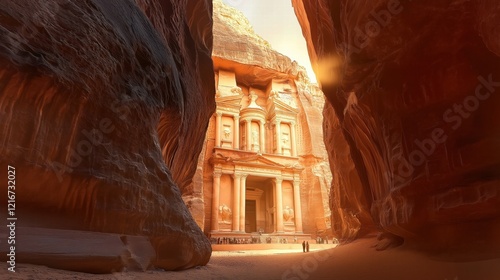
x: 412, y: 129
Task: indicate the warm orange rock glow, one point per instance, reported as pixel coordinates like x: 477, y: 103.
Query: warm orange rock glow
x: 103, y: 109
x: 412, y: 129
x: 264, y: 167
x: 125, y: 139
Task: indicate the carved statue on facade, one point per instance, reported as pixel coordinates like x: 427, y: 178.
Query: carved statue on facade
x: 227, y: 132
x: 225, y: 214
x: 255, y: 137
x: 285, y: 139
x: 288, y: 214
x: 253, y: 97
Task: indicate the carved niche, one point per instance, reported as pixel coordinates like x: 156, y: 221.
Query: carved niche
x: 225, y: 214
x: 227, y: 138
x: 255, y: 140
x: 288, y: 214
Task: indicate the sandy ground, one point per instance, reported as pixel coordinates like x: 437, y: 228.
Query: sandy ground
x: 357, y: 260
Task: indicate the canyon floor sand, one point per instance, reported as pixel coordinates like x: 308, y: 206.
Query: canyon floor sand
x: 357, y: 260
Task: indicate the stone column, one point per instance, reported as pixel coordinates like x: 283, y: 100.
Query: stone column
x: 279, y: 205
x: 215, y: 200
x: 274, y: 207
x: 296, y: 205
x: 236, y: 202
x: 249, y: 134
x: 236, y: 139
x: 293, y: 139
x: 277, y: 126
x: 243, y: 201
x: 218, y: 124
x: 262, y: 137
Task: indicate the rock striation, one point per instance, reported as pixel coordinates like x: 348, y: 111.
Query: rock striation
x: 238, y: 48
x: 412, y: 125
x: 103, y: 108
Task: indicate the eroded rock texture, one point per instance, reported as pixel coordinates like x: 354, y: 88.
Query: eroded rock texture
x: 103, y: 108
x: 412, y: 129
x: 237, y: 47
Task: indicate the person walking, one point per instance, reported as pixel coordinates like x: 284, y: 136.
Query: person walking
x: 303, y: 246
x: 307, y: 246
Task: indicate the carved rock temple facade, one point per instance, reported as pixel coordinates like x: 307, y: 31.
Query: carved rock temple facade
x: 256, y: 171
x: 264, y: 167
x: 256, y: 182
x: 256, y: 166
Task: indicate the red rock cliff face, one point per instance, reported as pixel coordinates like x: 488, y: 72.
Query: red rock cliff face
x: 412, y: 129
x: 103, y: 108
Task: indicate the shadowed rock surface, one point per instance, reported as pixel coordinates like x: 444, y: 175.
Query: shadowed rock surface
x: 103, y: 109
x: 412, y: 129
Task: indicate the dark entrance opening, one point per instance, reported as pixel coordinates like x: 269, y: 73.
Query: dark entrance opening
x: 250, y: 216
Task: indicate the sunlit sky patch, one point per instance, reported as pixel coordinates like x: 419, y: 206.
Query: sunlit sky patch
x: 275, y: 21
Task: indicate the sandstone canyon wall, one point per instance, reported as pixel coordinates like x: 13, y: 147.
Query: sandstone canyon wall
x: 103, y: 108
x: 412, y: 129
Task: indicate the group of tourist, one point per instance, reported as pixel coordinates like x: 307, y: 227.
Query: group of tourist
x: 231, y: 240
x: 268, y: 240
x: 320, y: 240
x: 252, y: 240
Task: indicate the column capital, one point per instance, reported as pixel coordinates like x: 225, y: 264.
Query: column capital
x: 237, y: 175
x: 218, y: 114
x: 278, y: 180
x: 217, y: 173
x: 236, y: 117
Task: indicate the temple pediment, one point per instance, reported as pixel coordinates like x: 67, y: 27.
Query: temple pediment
x: 259, y: 160
x: 284, y: 106
x: 256, y: 160
x: 230, y: 99
x: 247, y: 160
x: 278, y: 107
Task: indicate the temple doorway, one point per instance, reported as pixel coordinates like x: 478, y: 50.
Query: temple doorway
x: 259, y: 205
x: 250, y: 216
